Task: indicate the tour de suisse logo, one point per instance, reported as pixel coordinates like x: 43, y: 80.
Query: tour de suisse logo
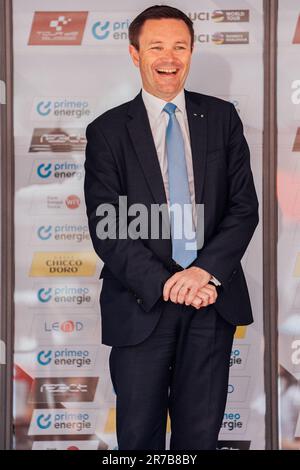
x: 296, y: 39
x: 57, y: 28
x: 67, y: 28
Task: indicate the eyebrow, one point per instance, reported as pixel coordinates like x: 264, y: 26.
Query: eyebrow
x: 160, y: 42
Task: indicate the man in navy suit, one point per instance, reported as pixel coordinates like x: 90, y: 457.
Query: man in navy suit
x: 168, y: 309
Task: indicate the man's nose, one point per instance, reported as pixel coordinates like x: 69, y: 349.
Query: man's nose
x: 168, y: 54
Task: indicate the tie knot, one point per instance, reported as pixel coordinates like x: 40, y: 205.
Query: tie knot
x: 170, y: 108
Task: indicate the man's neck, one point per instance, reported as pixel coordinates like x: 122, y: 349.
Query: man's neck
x: 165, y: 98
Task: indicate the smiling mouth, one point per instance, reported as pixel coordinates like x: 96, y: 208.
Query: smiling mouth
x: 166, y: 71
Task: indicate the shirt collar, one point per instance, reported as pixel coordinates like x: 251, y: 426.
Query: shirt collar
x: 155, y: 105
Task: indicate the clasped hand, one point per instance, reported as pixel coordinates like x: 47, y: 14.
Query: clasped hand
x: 190, y: 287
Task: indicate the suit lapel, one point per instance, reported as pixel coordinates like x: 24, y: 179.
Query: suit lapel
x: 141, y: 135
x: 197, y: 119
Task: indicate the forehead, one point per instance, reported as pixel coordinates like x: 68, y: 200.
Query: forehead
x: 164, y: 29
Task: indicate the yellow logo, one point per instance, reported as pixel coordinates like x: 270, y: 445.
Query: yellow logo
x: 240, y: 332
x: 110, y: 425
x: 297, y: 266
x: 71, y: 263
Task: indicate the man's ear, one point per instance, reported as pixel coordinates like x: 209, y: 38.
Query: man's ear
x: 134, y: 55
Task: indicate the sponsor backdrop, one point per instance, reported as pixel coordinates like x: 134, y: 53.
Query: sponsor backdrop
x: 289, y: 221
x: 71, y: 63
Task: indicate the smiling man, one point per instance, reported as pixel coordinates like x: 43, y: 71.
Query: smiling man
x: 170, y: 307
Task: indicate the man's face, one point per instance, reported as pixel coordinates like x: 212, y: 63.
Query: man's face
x: 164, y: 56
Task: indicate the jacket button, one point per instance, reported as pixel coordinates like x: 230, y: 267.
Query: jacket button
x: 139, y: 301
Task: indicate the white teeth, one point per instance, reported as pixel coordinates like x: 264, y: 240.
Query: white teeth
x: 167, y: 70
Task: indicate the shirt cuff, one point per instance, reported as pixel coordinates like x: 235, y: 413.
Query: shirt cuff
x: 215, y: 281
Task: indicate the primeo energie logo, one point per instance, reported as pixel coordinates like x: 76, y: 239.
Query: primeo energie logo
x: 44, y: 357
x: 67, y: 357
x: 44, y: 295
x: 44, y: 421
x: 62, y: 109
x: 64, y: 233
x: 235, y: 421
x: 100, y: 29
x: 59, y: 171
x: 58, y: 421
x: 71, y: 421
x: 115, y: 30
x: 66, y: 295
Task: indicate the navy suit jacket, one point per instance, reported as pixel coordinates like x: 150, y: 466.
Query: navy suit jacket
x: 121, y: 159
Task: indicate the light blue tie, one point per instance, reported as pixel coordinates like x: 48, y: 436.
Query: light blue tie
x: 179, y: 193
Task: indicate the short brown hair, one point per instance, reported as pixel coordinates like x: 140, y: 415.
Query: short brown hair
x: 157, y: 12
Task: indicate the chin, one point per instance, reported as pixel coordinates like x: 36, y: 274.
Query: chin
x: 173, y: 90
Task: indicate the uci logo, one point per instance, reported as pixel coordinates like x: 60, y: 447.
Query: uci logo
x: 44, y: 358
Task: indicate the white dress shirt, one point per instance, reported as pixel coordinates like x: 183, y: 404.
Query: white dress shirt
x: 158, y: 120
